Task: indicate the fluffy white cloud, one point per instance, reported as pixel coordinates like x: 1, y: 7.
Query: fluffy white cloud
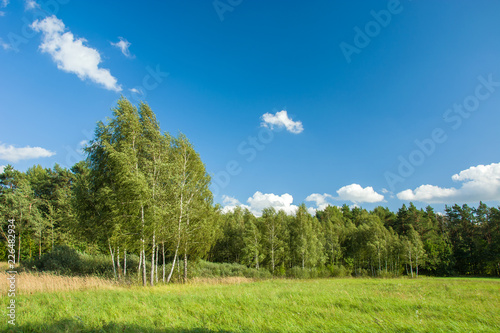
x: 281, y: 119
x: 479, y: 183
x: 13, y: 154
x: 320, y: 200
x: 231, y: 203
x: 259, y: 201
x: 123, y: 45
x: 30, y: 4
x: 71, y: 55
x: 427, y: 193
x: 358, y: 194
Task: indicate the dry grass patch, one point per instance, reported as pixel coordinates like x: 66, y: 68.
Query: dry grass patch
x: 29, y: 283
x: 221, y: 280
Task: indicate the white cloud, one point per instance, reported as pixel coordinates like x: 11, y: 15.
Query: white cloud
x: 2, y: 13
x: 358, y: 194
x: 2, y: 168
x: 135, y: 91
x: 320, y: 200
x: 123, y: 45
x: 4, y: 3
x: 71, y: 55
x: 479, y: 183
x: 13, y: 154
x: 30, y: 4
x: 281, y: 119
x: 4, y: 45
x: 259, y: 201
x: 231, y: 203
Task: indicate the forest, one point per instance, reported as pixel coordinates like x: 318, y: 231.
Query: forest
x: 144, y: 194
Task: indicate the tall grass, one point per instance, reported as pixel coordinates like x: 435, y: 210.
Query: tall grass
x: 29, y: 283
x: 326, y: 305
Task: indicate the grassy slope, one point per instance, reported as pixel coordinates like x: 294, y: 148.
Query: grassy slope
x: 335, y: 305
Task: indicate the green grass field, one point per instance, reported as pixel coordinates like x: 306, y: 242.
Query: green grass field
x: 329, y: 305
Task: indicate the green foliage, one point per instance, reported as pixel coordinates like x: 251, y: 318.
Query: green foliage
x: 205, y: 269
x: 68, y: 261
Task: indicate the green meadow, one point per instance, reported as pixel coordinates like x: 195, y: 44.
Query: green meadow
x: 276, y: 305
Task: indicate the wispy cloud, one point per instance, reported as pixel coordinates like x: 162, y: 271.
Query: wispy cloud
x: 4, y: 45
x: 135, y: 91
x: 479, y: 183
x: 30, y: 4
x: 123, y: 45
x: 13, y: 154
x: 4, y: 3
x: 280, y: 119
x: 71, y: 55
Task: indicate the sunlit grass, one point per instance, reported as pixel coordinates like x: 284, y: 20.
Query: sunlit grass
x: 330, y: 305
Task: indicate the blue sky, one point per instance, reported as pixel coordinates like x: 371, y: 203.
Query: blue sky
x: 360, y: 84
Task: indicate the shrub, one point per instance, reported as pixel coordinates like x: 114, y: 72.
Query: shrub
x: 339, y: 271
x: 205, y: 269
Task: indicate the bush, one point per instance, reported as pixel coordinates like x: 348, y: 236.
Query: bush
x: 68, y: 261
x: 339, y: 271
x: 63, y: 260
x: 206, y: 269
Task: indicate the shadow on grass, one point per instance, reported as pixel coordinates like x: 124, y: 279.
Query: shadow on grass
x: 75, y: 326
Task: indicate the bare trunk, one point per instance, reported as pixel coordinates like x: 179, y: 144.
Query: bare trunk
x: 156, y: 265
x: 173, y: 264
x: 178, y: 234
x: 140, y: 263
x: 416, y: 265
x: 185, y: 267
x: 178, y: 269
x: 163, y: 256
x: 118, y: 263
x: 144, y: 273
x: 144, y: 280
x: 153, y: 260
x: 112, y: 258
x: 125, y: 263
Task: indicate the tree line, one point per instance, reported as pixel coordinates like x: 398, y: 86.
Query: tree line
x: 463, y: 241
x: 144, y: 192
